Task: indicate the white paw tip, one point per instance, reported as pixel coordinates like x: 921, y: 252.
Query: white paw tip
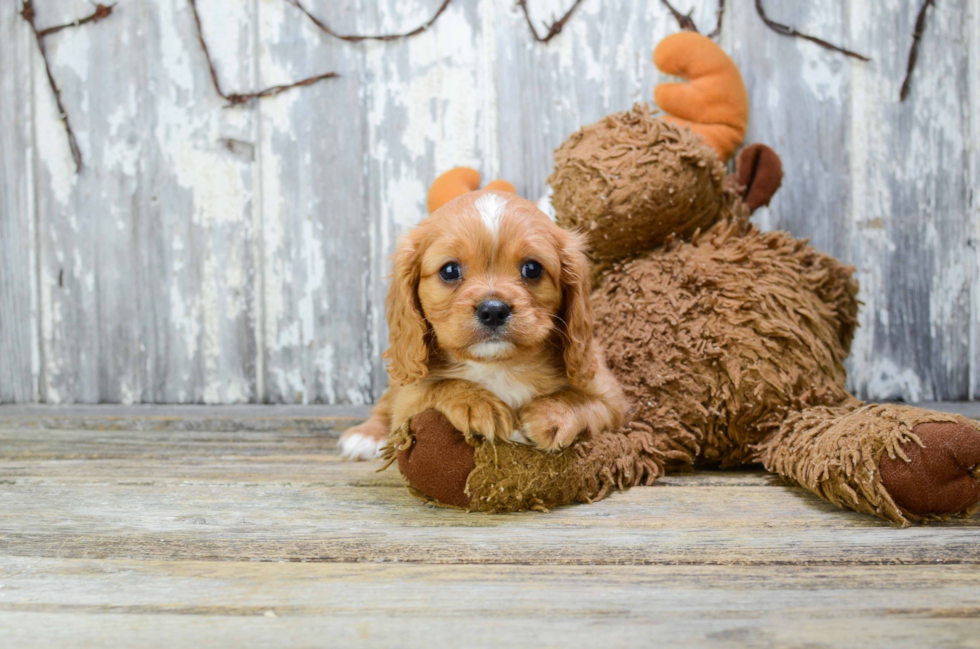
x: 518, y: 438
x: 360, y: 447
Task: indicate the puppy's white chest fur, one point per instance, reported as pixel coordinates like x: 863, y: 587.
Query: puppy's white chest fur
x: 505, y: 382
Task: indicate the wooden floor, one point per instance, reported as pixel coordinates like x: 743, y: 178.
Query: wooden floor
x: 239, y: 527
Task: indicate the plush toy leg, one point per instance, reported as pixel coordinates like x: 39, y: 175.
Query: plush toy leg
x: 441, y: 467
x: 892, y: 461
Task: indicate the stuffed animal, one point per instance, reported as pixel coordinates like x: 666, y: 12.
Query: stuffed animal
x: 729, y: 342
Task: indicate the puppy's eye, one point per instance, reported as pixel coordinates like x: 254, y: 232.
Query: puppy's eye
x: 531, y: 270
x: 451, y: 272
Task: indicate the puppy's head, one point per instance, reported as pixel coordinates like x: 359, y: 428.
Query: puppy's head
x: 488, y: 277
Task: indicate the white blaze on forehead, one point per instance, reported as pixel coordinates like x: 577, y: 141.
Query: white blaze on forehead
x: 490, y: 207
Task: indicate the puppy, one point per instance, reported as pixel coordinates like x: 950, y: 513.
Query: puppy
x: 490, y: 324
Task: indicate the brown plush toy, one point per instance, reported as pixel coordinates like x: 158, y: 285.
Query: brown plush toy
x: 729, y: 342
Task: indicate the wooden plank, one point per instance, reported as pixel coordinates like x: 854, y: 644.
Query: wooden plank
x: 182, y: 418
x: 145, y: 273
x: 72, y: 603
x: 281, y: 494
x: 973, y: 81
x: 18, y: 318
x: 318, y: 315
x: 415, y: 629
x: 814, y: 144
x: 910, y: 211
x: 326, y: 521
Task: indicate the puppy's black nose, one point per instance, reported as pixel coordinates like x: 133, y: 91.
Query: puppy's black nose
x: 492, y: 313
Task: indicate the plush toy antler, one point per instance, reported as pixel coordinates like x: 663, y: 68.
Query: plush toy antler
x: 459, y: 181
x: 713, y: 102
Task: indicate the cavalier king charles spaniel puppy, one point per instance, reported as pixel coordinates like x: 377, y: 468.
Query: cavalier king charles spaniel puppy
x: 490, y: 324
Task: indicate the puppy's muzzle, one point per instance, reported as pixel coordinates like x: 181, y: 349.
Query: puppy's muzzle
x: 493, y: 314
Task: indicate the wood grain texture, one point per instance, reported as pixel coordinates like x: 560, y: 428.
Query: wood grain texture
x: 229, y: 256
x: 163, y: 604
x: 973, y: 239
x: 145, y: 271
x: 910, y: 204
x: 18, y: 291
x: 279, y: 493
x: 316, y: 246
x: 164, y: 534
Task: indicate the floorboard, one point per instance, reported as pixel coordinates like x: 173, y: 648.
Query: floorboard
x: 160, y: 528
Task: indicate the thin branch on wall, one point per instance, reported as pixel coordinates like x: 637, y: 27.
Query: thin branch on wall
x: 101, y: 11
x: 235, y: 98
x: 356, y: 38
x: 920, y: 25
x: 28, y: 14
x: 687, y: 23
x: 554, y: 28
x: 684, y: 20
x: 786, y: 30
x: 721, y: 15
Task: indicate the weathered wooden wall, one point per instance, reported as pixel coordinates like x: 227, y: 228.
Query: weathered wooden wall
x: 228, y: 255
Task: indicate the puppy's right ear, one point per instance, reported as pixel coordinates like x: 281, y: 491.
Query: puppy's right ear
x: 408, y: 347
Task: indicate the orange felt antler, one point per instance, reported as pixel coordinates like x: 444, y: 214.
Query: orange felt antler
x: 459, y: 181
x: 713, y: 102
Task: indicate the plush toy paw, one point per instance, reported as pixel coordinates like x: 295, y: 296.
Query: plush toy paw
x: 942, y: 476
x: 438, y: 461
x: 549, y: 424
x: 444, y: 468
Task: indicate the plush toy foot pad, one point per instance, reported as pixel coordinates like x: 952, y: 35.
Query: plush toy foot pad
x: 939, y: 478
x: 439, y: 461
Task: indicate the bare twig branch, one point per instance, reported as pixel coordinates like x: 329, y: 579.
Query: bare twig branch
x: 101, y: 12
x: 920, y: 25
x: 356, y: 38
x: 786, y: 30
x: 554, y: 28
x: 721, y: 15
x: 28, y: 14
x: 684, y: 20
x: 234, y: 98
x: 272, y: 91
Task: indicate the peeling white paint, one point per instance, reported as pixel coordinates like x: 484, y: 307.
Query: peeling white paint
x: 250, y: 244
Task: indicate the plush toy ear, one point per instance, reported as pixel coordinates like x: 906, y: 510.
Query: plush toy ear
x: 455, y: 182
x: 408, y: 345
x: 579, y: 355
x: 758, y: 169
x: 501, y: 185
x: 713, y: 102
x: 459, y: 181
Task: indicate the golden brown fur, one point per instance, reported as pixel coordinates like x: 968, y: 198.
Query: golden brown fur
x: 539, y: 374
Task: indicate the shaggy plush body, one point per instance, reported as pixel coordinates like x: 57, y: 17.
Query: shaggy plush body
x: 716, y: 339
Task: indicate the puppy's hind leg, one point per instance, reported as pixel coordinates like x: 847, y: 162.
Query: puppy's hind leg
x: 364, y: 441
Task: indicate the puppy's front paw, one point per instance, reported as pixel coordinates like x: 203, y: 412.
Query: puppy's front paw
x: 550, y: 424
x: 364, y: 441
x: 488, y: 418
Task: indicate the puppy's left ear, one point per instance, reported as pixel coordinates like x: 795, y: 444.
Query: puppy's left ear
x: 408, y: 348
x: 579, y: 354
